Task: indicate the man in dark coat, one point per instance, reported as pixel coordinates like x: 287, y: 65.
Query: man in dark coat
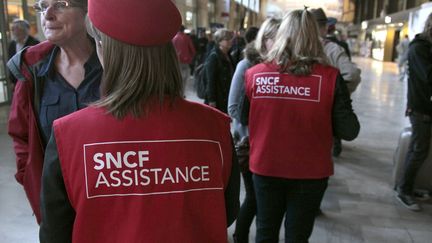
x: 20, y: 39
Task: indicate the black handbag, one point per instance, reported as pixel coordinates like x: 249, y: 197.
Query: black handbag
x: 242, y: 151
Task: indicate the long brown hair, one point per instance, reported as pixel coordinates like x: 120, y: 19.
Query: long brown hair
x: 297, y: 45
x: 136, y: 78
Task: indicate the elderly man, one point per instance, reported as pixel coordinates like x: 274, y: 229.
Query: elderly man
x: 20, y: 39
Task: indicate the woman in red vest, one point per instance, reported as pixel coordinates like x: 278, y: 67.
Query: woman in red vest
x: 297, y: 104
x: 142, y: 164
x: 238, y: 110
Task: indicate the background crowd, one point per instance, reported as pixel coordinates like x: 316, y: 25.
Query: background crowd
x: 94, y: 86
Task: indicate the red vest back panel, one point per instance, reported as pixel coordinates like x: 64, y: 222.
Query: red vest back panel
x: 290, y: 122
x: 154, y: 179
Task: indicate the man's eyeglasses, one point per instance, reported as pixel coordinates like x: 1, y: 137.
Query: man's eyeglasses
x: 58, y: 6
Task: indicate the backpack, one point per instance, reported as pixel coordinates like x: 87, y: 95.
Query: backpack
x: 200, y: 81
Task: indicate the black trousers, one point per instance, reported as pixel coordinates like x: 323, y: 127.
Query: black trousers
x: 417, y: 151
x: 296, y: 199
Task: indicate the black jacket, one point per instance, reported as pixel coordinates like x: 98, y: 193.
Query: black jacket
x: 420, y: 76
x: 219, y: 72
x: 31, y: 41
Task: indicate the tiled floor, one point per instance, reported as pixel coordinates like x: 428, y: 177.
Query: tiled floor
x: 359, y: 205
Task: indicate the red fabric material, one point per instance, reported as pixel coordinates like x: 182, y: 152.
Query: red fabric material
x: 290, y: 125
x: 184, y: 47
x: 139, y: 209
x: 137, y: 22
x: 36, y: 53
x: 23, y: 128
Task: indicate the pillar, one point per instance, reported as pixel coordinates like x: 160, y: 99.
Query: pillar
x: 262, y: 15
x: 202, y: 14
x: 233, y: 16
x: 26, y: 14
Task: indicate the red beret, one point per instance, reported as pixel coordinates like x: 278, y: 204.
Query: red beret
x: 136, y: 22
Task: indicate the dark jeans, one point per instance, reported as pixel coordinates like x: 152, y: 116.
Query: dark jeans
x: 247, y: 211
x: 297, y: 199
x: 417, y: 151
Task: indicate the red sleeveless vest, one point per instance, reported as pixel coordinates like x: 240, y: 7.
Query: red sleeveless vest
x: 154, y: 179
x: 290, y: 122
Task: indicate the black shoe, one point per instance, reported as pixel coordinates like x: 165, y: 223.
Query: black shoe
x: 408, y: 202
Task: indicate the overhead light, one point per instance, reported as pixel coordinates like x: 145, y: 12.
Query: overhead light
x: 387, y: 19
x: 364, y: 25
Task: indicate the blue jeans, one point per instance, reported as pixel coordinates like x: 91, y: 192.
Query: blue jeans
x: 297, y: 199
x: 247, y: 211
x: 417, y: 151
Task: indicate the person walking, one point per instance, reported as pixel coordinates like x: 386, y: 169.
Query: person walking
x: 237, y: 91
x: 202, y: 47
x: 419, y: 111
x: 297, y: 104
x: 261, y: 40
x: 185, y: 52
x: 55, y: 78
x: 147, y: 165
x: 331, y: 36
x: 238, y: 44
x: 402, y: 50
x: 339, y: 58
x: 21, y: 39
x: 219, y: 70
